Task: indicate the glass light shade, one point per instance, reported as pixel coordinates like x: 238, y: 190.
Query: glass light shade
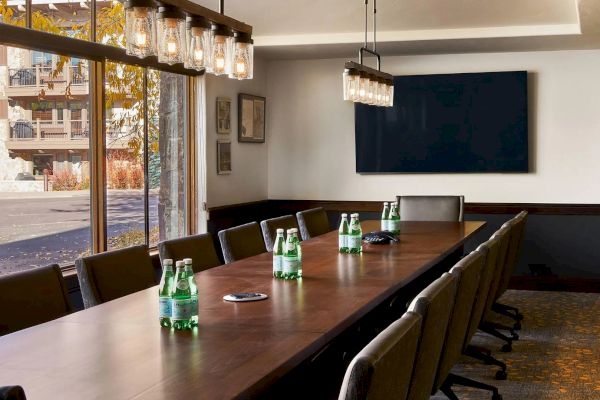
x: 198, y: 48
x: 390, y: 91
x: 140, y: 31
x: 220, y: 54
x: 351, y: 81
x: 363, y: 88
x: 243, y: 59
x: 381, y: 91
x: 171, y: 40
x: 372, y: 92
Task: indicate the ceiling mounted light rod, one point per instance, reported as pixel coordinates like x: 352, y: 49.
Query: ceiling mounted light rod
x: 362, y: 84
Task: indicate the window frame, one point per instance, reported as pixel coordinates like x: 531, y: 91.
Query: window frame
x: 98, y: 55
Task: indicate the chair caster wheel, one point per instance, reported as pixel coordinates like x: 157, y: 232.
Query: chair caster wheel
x: 497, y: 396
x: 519, y: 317
x: 517, y: 326
x: 507, y: 348
x: 515, y: 335
x: 501, y: 375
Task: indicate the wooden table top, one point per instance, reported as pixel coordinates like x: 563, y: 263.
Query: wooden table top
x: 117, y: 350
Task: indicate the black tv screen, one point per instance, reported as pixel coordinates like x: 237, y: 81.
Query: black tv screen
x: 447, y: 123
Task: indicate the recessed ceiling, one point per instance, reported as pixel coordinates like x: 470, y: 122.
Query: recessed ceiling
x: 335, y: 28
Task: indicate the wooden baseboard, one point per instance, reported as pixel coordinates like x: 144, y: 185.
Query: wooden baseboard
x: 555, y: 284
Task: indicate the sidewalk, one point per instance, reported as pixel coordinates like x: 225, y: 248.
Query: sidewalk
x: 66, y: 194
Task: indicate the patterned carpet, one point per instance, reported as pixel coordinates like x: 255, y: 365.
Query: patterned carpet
x: 557, y: 356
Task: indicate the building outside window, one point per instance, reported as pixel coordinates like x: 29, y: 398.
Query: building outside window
x: 45, y: 149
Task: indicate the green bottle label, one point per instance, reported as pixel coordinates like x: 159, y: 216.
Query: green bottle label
x: 182, y: 309
x: 354, y: 241
x: 343, y: 241
x: 385, y: 226
x: 291, y: 265
x: 165, y: 307
x: 277, y: 263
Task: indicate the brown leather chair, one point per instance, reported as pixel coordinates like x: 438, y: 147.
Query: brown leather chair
x: 107, y: 276
x: 200, y: 248
x: 269, y: 228
x: 434, y: 304
x: 431, y: 208
x: 382, y: 370
x: 241, y: 242
x: 517, y: 230
x: 467, y: 273
x: 32, y: 297
x: 313, y: 222
x: 12, y: 393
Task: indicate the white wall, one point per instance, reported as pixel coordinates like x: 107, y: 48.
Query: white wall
x: 311, y: 132
x: 248, y: 179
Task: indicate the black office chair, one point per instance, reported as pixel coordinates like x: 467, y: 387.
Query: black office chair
x: 108, y: 276
x: 200, y: 248
x: 12, y: 393
x: 32, y: 297
x: 313, y: 222
x: 431, y: 208
x: 269, y: 228
x: 241, y: 242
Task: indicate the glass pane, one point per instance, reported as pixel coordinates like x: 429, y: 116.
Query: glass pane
x: 44, y: 191
x: 12, y: 12
x: 167, y: 109
x: 125, y: 155
x: 62, y: 17
x: 110, y: 23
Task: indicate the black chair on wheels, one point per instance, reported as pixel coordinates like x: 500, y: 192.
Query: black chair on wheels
x: 32, y: 297
x: 241, y: 242
x: 269, y: 228
x: 431, y: 208
x: 108, y: 276
x: 12, y: 393
x: 313, y: 222
x: 200, y: 248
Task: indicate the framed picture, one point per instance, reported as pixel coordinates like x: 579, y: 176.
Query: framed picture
x: 223, y: 115
x: 251, y: 118
x: 223, y: 157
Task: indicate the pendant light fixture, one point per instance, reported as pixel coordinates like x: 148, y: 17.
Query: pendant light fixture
x: 188, y: 33
x: 140, y: 28
x: 197, y: 42
x: 170, y: 28
x: 366, y: 85
x: 243, y: 56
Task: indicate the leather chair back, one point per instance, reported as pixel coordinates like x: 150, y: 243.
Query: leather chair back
x: 241, y: 242
x: 467, y: 273
x: 32, y: 297
x: 489, y: 250
x: 434, y: 304
x: 200, y: 248
x: 107, y: 276
x: 313, y: 222
x: 269, y: 228
x: 503, y: 234
x: 517, y: 230
x: 382, y: 370
x: 12, y: 393
x: 431, y: 208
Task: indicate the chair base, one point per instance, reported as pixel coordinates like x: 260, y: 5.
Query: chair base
x: 453, y: 379
x: 509, y: 311
x: 485, y: 355
x: 491, y: 329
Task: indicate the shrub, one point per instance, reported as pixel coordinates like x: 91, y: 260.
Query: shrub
x: 117, y: 175
x: 65, y: 180
x: 136, y: 177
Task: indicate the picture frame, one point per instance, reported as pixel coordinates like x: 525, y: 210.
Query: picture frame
x: 223, y: 115
x: 223, y: 157
x: 251, y: 118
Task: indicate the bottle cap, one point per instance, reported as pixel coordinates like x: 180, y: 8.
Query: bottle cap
x: 280, y: 231
x: 289, y: 231
x: 294, y: 230
x: 355, y: 215
x: 385, y: 203
x: 344, y: 215
x: 179, y: 264
x: 168, y: 261
x: 187, y: 261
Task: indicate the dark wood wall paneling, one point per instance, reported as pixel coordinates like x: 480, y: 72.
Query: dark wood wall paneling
x: 231, y: 215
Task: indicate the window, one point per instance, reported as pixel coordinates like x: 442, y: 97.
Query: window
x: 50, y: 136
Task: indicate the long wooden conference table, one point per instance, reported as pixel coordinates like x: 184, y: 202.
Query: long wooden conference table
x: 117, y: 350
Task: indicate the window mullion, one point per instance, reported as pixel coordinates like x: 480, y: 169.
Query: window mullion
x: 146, y: 162
x: 98, y: 157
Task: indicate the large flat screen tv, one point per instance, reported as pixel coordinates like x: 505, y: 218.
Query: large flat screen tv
x: 447, y: 123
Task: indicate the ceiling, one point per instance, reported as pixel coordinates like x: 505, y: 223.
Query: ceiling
x: 335, y: 28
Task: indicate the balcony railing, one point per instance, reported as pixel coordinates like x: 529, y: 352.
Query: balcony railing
x: 41, y: 76
x: 24, y: 130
